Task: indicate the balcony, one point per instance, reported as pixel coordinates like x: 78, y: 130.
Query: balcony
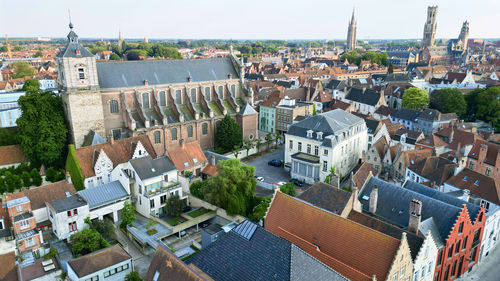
x: 166, y: 187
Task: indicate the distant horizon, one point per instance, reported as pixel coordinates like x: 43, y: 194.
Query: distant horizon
x: 265, y: 19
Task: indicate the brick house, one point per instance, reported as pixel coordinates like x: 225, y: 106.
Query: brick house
x: 484, y: 158
x: 24, y: 225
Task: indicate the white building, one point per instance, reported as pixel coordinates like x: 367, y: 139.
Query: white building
x: 67, y: 215
x: 424, y: 263
x: 111, y: 264
x: 10, y: 110
x: 105, y: 200
x: 317, y: 143
x: 154, y: 180
x: 47, y: 84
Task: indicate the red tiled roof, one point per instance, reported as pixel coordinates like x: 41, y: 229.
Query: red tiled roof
x: 45, y: 193
x: 12, y: 154
x: 119, y: 152
x: 491, y: 154
x: 330, y: 239
x: 361, y: 174
x: 181, y: 155
x: 210, y: 170
x: 432, y: 141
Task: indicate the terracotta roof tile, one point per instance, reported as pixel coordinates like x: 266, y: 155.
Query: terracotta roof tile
x: 119, y: 152
x: 12, y: 154
x: 432, y: 141
x: 361, y: 173
x: 8, y: 269
x: 210, y: 170
x: 180, y: 156
x: 45, y: 193
x: 478, y: 184
x: 491, y: 153
x: 434, y: 168
x: 329, y: 238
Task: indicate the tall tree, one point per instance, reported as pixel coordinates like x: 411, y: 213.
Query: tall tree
x: 228, y: 134
x: 87, y: 241
x: 258, y: 143
x: 269, y: 138
x: 174, y: 206
x: 471, y: 99
x: 488, y: 106
x: 22, y: 69
x: 390, y: 69
x: 42, y: 127
x: 448, y: 101
x: 247, y: 145
x: 128, y: 215
x: 31, y: 85
x: 415, y: 98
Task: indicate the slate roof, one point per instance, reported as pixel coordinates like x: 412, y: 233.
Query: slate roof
x: 430, y: 225
x: 168, y: 267
x: 72, y: 47
x: 103, y: 194
x: 411, y: 135
x: 406, y: 114
x: 435, y: 115
x: 367, y: 96
x: 393, y: 204
x: 371, y: 125
x: 263, y: 256
x: 67, y: 203
x: 329, y: 123
x: 147, y: 167
x: 478, y: 184
x: 126, y: 74
x: 98, y: 260
x: 93, y: 138
x: 434, y: 168
x: 327, y: 197
x: 23, y: 216
x: 385, y: 110
x: 12, y: 154
x: 247, y: 109
x: 397, y: 77
x: 329, y: 238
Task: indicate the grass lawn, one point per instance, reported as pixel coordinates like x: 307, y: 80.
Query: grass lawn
x: 198, y: 212
x: 173, y: 221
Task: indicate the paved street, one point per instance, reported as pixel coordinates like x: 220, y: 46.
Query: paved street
x: 270, y: 173
x: 487, y: 270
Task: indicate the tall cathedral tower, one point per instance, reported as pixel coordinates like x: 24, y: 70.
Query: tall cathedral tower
x: 79, y: 85
x: 120, y: 40
x: 351, y: 34
x: 430, y: 27
x: 464, y: 35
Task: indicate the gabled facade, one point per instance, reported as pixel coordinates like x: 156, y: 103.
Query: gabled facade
x: 24, y: 225
x: 67, y: 215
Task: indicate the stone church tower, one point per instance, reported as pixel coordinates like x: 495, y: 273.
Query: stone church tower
x: 464, y: 35
x: 79, y: 87
x: 351, y: 34
x: 430, y: 27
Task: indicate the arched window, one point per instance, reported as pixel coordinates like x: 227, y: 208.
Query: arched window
x: 174, y: 133
x: 221, y: 92
x: 190, y: 131
x: 207, y: 93
x: 145, y: 100
x: 233, y: 90
x: 204, y: 128
x: 157, y: 137
x: 178, y: 96
x: 193, y: 94
x: 162, y: 99
x: 113, y: 106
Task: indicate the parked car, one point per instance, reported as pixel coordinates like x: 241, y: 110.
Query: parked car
x: 260, y: 178
x: 183, y: 233
x: 281, y: 183
x: 275, y: 163
x: 297, y: 182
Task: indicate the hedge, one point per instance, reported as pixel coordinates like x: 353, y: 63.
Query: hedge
x: 74, y: 168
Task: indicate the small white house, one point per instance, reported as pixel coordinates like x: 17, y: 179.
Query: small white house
x: 105, y: 200
x: 67, y: 215
x: 111, y: 264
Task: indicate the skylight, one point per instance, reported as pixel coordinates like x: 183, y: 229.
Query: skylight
x: 186, y: 164
x: 476, y: 182
x: 195, y: 160
x: 466, y: 178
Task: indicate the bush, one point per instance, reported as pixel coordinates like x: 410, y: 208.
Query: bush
x: 133, y: 276
x: 36, y: 178
x: 128, y: 215
x: 3, y: 187
x: 288, y: 188
x: 197, y: 188
x: 174, y: 206
x: 74, y: 168
x: 105, y: 228
x: 26, y: 177
x: 54, y: 175
x: 53, y: 253
x: 12, y: 181
x: 260, y: 210
x: 87, y: 241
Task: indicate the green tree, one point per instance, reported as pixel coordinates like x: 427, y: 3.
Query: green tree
x: 259, y: 211
x: 42, y: 127
x: 36, y: 178
x: 174, y: 206
x: 277, y: 138
x: 269, y: 138
x: 197, y: 189
x: 128, y: 215
x: 233, y: 188
x: 415, y: 98
x: 50, y: 174
x: 471, y: 99
x: 26, y: 177
x: 258, y: 143
x: 38, y: 54
x: 390, y: 69
x: 22, y: 69
x: 488, y: 106
x: 3, y: 186
x: 104, y: 227
x: 114, y: 56
x: 288, y: 188
x: 87, y: 241
x: 314, y: 109
x: 136, y: 54
x: 133, y: 276
x: 12, y: 181
x: 448, y: 101
x: 235, y: 151
x: 228, y: 134
x: 247, y: 145
x: 8, y: 137
x: 31, y: 85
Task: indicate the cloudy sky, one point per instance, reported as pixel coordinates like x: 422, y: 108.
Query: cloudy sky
x: 250, y: 19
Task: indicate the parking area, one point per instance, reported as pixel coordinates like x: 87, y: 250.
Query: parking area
x: 270, y: 174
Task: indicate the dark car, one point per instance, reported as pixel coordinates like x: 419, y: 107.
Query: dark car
x: 275, y: 163
x: 297, y: 182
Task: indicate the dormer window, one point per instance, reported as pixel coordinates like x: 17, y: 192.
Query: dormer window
x: 309, y: 133
x: 78, y: 52
x: 476, y: 182
x: 466, y: 178
x: 319, y: 135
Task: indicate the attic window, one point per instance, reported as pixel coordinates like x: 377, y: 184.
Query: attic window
x: 476, y: 182
x: 195, y: 160
x: 186, y: 164
x: 309, y: 133
x: 365, y: 197
x: 473, y: 153
x: 153, y: 170
x: 466, y: 178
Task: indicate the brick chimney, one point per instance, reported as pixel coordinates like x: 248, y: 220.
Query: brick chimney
x: 415, y: 215
x: 483, y: 149
x: 373, y: 199
x: 181, y: 143
x: 111, y: 140
x: 190, y: 79
x: 146, y: 82
x: 212, y: 160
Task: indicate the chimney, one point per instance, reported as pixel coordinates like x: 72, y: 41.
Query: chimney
x: 145, y: 82
x: 415, y: 216
x: 452, y: 134
x: 483, y: 149
x: 373, y: 199
x: 230, y: 76
x: 465, y: 195
x: 212, y: 160
x: 111, y: 140
x: 181, y: 143
x: 190, y: 79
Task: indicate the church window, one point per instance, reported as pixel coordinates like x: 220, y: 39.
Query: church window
x: 145, y: 100
x: 221, y: 92
x: 162, y: 99
x: 174, y: 133
x: 190, y: 131
x: 193, y: 94
x: 204, y: 128
x: 233, y: 89
x: 178, y: 96
x: 81, y: 73
x: 207, y: 93
x: 157, y: 137
x: 113, y: 106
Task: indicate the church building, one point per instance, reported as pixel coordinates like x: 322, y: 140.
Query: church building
x: 171, y: 101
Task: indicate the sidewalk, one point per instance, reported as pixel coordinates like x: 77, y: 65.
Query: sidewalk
x: 487, y: 270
